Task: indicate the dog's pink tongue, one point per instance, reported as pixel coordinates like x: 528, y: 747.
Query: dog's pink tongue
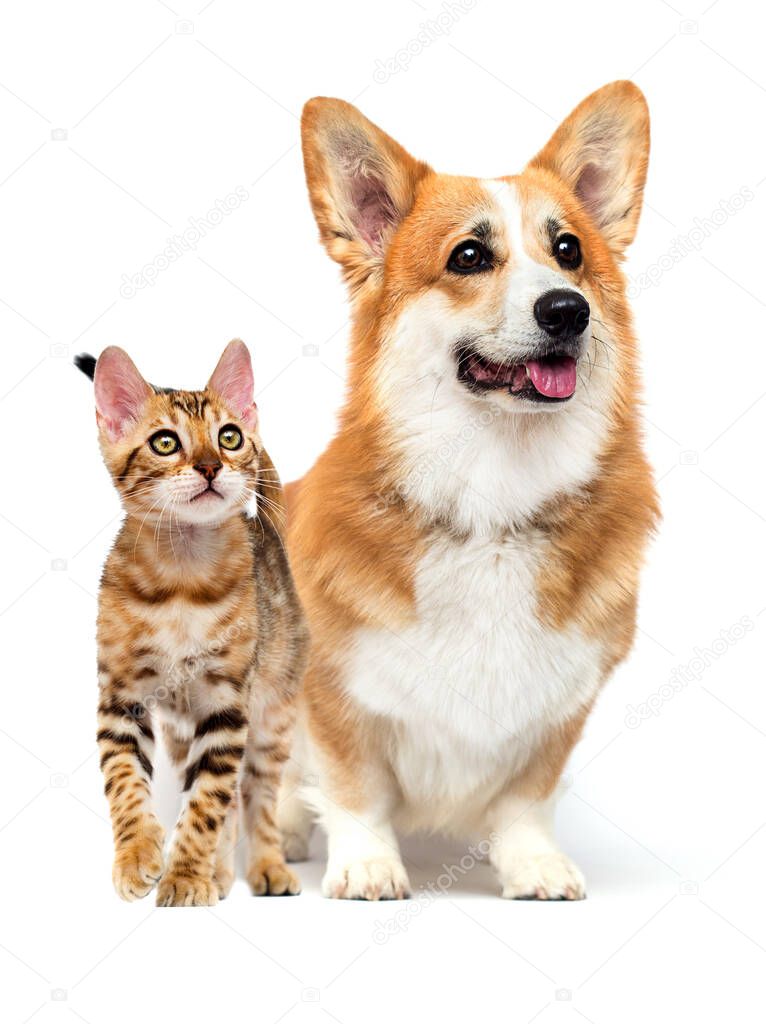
x: 554, y: 378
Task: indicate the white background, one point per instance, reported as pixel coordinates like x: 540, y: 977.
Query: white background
x: 122, y: 121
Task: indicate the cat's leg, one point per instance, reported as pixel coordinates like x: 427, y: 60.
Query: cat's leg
x: 126, y: 748
x: 223, y: 874
x: 524, y: 852
x: 213, y: 767
x: 268, y: 748
x: 176, y: 746
x: 295, y: 817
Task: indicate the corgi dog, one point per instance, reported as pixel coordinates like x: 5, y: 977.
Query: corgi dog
x: 468, y: 547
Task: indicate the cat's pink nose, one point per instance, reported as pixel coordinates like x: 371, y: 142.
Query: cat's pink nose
x: 208, y: 468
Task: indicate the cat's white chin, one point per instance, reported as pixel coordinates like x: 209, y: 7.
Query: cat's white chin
x: 192, y: 503
x: 208, y: 507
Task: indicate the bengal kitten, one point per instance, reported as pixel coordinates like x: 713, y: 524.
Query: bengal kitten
x: 199, y: 627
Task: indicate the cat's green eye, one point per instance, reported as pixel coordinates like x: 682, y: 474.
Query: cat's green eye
x: 164, y: 442
x: 230, y: 438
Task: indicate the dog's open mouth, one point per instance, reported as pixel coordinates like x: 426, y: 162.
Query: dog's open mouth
x: 552, y: 378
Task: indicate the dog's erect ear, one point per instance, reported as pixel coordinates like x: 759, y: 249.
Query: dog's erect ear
x: 601, y: 151
x: 361, y: 183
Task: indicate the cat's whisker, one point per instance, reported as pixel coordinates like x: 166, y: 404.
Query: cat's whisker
x: 263, y: 499
x: 193, y: 611
x: 143, y: 492
x: 140, y: 528
x: 275, y: 509
x: 173, y: 500
x: 281, y: 521
x: 158, y: 525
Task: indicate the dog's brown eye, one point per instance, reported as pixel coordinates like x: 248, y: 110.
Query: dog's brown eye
x: 468, y: 257
x: 567, y: 251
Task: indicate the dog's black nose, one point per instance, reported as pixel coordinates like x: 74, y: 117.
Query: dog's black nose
x: 562, y: 313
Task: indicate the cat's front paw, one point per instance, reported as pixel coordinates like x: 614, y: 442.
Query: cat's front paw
x: 138, y: 863
x: 179, y: 890
x: 223, y: 876
x: 547, y: 876
x: 296, y: 846
x: 383, y: 878
x: 273, y: 878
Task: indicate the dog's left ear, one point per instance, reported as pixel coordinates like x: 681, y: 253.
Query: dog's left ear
x: 601, y: 151
x: 361, y: 184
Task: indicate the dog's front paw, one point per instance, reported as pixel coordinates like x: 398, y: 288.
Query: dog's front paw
x: 138, y: 863
x: 381, y: 879
x: 547, y: 876
x: 179, y: 890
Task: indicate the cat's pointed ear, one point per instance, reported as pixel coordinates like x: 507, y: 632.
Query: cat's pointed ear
x: 361, y: 183
x: 601, y: 151
x: 232, y: 381
x: 121, y: 392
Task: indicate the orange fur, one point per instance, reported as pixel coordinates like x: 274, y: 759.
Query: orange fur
x: 355, y: 537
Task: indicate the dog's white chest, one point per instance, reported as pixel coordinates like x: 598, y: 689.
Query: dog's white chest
x: 477, y: 679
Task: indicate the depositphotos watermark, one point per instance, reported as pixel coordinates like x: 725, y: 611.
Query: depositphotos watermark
x: 187, y: 241
x: 682, y: 675
x: 692, y: 241
x: 422, y: 900
x: 181, y: 673
x: 438, y: 459
x: 429, y: 32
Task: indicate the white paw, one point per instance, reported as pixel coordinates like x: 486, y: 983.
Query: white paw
x: 381, y: 879
x: 547, y: 876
